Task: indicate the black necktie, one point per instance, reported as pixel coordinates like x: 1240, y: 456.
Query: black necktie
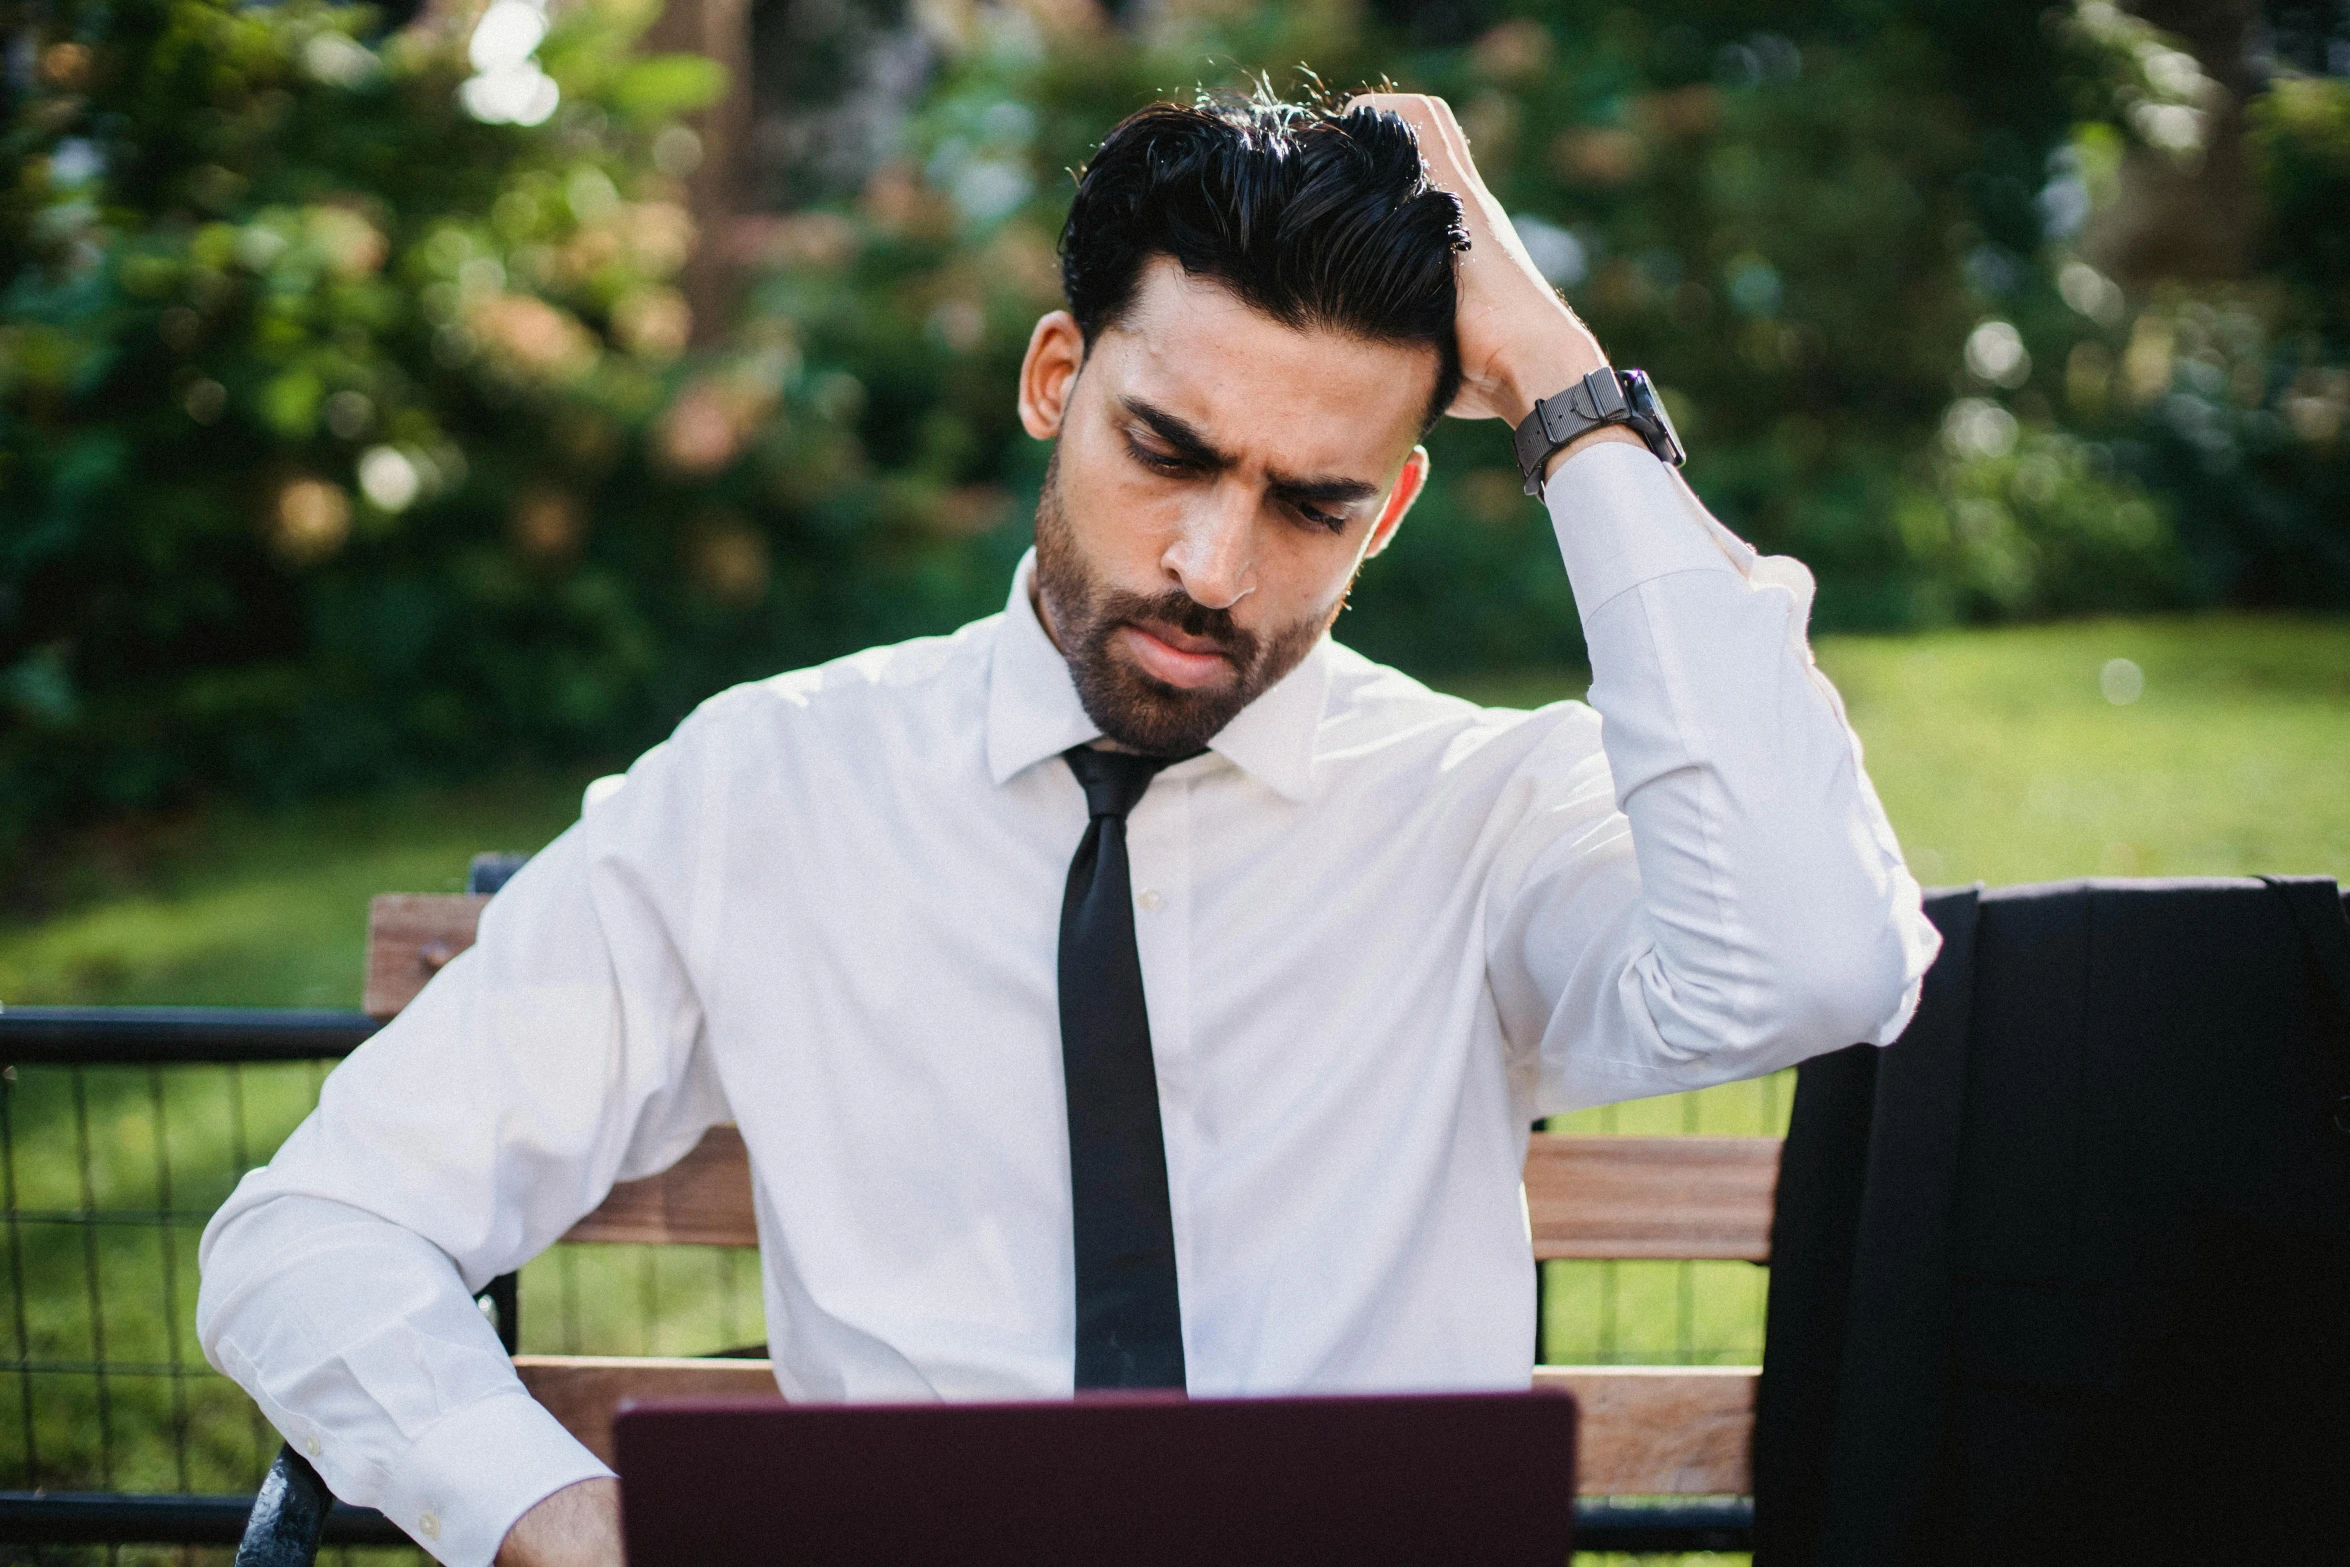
x: 1129, y: 1322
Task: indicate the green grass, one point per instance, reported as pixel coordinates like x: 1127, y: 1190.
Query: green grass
x: 2000, y: 759
x: 237, y: 908
x: 1997, y: 753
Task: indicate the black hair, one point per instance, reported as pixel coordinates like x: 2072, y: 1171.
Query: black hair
x: 1318, y: 218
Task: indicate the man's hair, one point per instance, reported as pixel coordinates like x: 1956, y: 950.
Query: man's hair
x: 1319, y: 219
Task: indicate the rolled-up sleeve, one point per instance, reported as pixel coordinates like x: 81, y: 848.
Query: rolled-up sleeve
x: 561, y: 1053
x: 1725, y: 897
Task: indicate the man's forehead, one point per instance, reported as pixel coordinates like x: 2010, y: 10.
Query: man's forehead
x: 1261, y: 390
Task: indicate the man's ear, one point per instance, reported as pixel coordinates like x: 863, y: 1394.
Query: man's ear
x: 1408, y: 485
x: 1055, y: 351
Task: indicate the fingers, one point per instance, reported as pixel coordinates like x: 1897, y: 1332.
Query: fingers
x: 1512, y: 324
x: 1444, y: 149
x: 1443, y: 145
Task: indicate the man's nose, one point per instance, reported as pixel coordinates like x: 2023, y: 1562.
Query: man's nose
x: 1212, y: 558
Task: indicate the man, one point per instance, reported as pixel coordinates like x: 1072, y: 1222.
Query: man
x: 1135, y: 988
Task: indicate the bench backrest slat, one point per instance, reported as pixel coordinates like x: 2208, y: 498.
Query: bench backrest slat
x: 702, y: 1200
x: 410, y: 935
x: 1678, y: 1198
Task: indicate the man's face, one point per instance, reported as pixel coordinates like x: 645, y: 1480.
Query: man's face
x: 1218, y: 480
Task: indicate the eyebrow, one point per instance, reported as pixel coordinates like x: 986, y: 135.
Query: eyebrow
x: 1193, y: 446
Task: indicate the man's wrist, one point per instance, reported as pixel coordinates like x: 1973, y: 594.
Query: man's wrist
x: 1546, y: 375
x: 577, y: 1526
x: 1550, y: 375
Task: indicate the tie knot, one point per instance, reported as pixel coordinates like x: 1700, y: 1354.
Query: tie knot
x: 1114, y: 781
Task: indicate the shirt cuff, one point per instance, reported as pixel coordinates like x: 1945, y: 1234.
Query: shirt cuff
x: 473, y: 1473
x: 1624, y: 518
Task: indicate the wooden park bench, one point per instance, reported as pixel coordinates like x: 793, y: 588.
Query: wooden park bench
x: 1651, y: 1431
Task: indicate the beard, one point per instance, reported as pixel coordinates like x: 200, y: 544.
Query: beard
x: 1137, y: 710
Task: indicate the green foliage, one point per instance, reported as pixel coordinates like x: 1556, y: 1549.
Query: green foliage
x: 344, y: 436
x: 289, y: 343
x: 2035, y: 524
x: 2228, y: 402
x: 2228, y: 399
x: 2302, y: 136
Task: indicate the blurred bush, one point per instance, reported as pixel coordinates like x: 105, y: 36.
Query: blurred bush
x: 350, y: 424
x: 314, y: 353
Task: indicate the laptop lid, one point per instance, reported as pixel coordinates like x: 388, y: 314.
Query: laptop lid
x: 1110, y: 1481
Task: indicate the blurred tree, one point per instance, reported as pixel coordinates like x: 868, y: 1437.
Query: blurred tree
x: 351, y: 422
x: 315, y: 343
x: 832, y: 82
x: 2205, y: 344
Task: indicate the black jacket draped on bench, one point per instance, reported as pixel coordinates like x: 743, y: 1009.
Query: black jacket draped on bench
x: 2064, y: 1275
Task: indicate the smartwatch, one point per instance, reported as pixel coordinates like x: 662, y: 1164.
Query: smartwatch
x: 1605, y: 396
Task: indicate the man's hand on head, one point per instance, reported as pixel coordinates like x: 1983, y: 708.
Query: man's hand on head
x: 1519, y: 340
x: 578, y: 1526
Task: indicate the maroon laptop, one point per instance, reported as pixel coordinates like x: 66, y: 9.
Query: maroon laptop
x: 1115, y: 1481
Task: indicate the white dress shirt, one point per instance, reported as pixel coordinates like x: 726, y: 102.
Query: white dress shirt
x: 1381, y: 931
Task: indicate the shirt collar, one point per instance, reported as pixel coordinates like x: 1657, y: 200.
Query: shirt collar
x: 1033, y: 711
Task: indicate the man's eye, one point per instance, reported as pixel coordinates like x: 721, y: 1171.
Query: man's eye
x: 1321, y: 519
x: 1160, y: 462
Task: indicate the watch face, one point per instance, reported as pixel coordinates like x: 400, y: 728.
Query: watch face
x: 1648, y: 410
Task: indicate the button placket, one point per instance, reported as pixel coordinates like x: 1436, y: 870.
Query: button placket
x: 1159, y: 848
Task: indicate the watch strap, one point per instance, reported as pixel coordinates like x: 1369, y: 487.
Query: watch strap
x: 1598, y: 399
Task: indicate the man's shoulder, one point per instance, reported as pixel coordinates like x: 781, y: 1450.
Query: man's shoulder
x: 1372, y: 702
x: 1386, y: 736
x: 876, y: 683
x: 806, y: 731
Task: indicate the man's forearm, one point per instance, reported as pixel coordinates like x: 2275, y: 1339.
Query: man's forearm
x: 1777, y: 917
x: 361, y: 1345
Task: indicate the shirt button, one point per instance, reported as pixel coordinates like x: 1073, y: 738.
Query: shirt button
x: 310, y: 1444
x: 1150, y: 898
x: 429, y: 1525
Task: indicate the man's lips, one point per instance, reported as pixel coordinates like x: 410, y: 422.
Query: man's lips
x: 1185, y: 662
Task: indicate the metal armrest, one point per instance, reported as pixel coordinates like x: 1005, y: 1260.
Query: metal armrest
x: 288, y: 1515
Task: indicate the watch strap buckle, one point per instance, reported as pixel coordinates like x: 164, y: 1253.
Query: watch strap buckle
x: 1595, y: 400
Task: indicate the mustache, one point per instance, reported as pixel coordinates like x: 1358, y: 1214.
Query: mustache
x: 1182, y: 612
